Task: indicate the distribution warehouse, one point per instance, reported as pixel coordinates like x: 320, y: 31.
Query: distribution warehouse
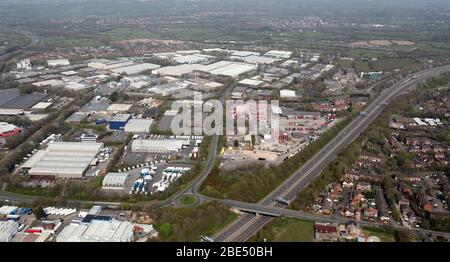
x: 156, y: 146
x: 227, y: 68
x: 62, y: 160
x: 115, y: 180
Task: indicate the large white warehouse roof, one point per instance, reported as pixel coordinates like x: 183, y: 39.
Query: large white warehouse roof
x: 63, y: 159
x: 227, y: 68
x: 156, y: 146
x: 135, y: 69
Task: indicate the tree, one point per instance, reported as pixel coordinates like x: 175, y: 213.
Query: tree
x: 40, y: 213
x: 403, y: 236
x: 114, y: 96
x: 165, y: 229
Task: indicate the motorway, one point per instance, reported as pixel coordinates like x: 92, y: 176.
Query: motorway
x: 249, y: 224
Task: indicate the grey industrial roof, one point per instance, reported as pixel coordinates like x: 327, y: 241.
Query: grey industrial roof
x: 94, y: 107
x: 76, y: 117
x: 12, y: 99
x: 8, y: 94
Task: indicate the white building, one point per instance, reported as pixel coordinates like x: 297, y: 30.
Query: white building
x: 278, y: 54
x: 251, y: 82
x: 138, y: 126
x: 178, y: 70
x: 115, y: 181
x: 156, y: 146
x: 227, y: 68
x: 62, y: 160
x: 135, y: 69
x: 286, y: 93
x: 97, y: 231
x: 58, y: 62
x: 8, y: 229
x: 253, y: 59
x: 192, y: 59
x: 24, y: 65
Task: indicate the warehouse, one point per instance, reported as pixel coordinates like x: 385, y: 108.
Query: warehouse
x: 58, y: 62
x: 115, y: 181
x: 286, y: 93
x: 278, y: 54
x: 178, y: 70
x: 243, y: 53
x: 163, y: 146
x: 255, y: 59
x: 77, y: 118
x: 97, y: 231
x: 41, y: 106
x: 192, y: 59
x: 116, y: 108
x: 119, y: 121
x: 227, y: 68
x: 138, y: 126
x: 135, y: 69
x: 105, y: 64
x: 13, y: 99
x: 62, y: 160
x: 251, y: 82
x: 8, y: 229
x: 169, y: 88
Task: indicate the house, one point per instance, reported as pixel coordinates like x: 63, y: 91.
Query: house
x: 371, y: 213
x: 425, y: 201
x: 363, y: 186
x: 325, y: 232
x: 383, y: 207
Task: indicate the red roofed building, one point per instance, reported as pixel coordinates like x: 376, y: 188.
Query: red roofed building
x: 7, y: 130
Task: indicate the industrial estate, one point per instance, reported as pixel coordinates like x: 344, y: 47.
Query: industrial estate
x: 88, y: 153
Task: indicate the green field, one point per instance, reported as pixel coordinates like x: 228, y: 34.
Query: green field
x: 61, y: 41
x: 288, y: 230
x: 360, y: 66
x: 389, y: 64
x: 130, y: 33
x: 384, y: 236
x: 384, y: 64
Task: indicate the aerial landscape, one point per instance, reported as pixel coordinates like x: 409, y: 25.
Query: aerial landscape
x: 224, y: 121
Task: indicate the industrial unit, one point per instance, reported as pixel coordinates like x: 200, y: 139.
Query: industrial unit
x: 156, y: 146
x: 97, y: 231
x: 138, y: 126
x: 8, y: 229
x: 227, y: 68
x: 115, y: 180
x: 62, y: 160
x: 119, y: 121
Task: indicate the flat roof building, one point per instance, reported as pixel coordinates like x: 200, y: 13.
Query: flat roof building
x: 278, y: 54
x: 58, y: 62
x: 156, y: 146
x: 138, y: 126
x: 119, y: 121
x: 62, y: 160
x: 178, y: 70
x: 115, y: 181
x: 135, y: 69
x: 227, y: 68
